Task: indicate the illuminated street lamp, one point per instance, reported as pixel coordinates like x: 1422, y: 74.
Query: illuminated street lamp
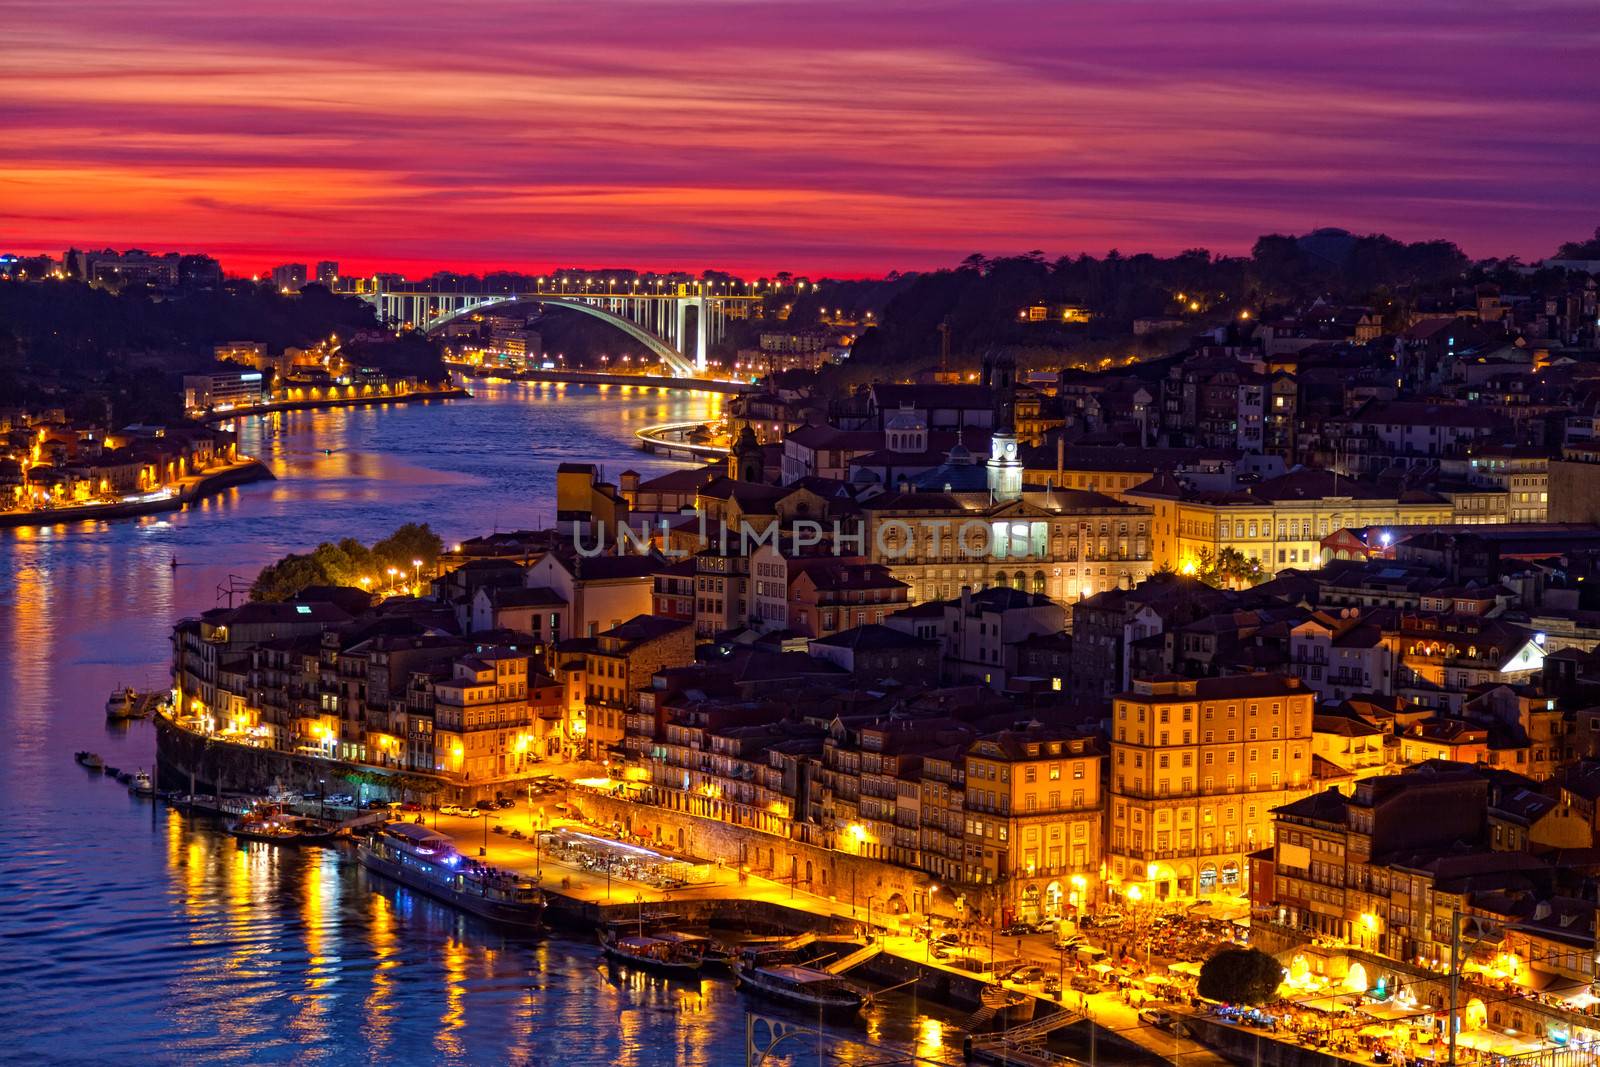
x: 416, y: 574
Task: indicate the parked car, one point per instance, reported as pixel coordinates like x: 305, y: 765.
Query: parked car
x: 949, y: 937
x: 940, y: 952
x: 1084, y: 984
x: 1017, y: 929
x: 1027, y: 975
x: 1161, y: 1020
x: 1106, y: 920
x: 505, y: 802
x: 484, y: 805
x: 449, y: 809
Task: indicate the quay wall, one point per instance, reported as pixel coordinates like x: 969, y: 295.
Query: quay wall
x: 212, y: 766
x: 838, y: 875
x: 1253, y: 1047
x: 451, y: 393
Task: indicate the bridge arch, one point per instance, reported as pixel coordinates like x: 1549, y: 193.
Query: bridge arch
x: 676, y: 361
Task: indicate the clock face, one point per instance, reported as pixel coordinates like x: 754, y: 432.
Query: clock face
x: 1011, y: 450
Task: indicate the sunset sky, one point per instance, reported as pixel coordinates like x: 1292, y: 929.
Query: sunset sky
x: 846, y: 138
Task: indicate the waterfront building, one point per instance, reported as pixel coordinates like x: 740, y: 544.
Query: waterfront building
x: 492, y: 715
x: 1035, y: 820
x: 1197, y: 765
x: 221, y: 390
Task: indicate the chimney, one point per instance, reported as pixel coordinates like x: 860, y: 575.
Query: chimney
x: 1061, y: 457
x: 966, y: 599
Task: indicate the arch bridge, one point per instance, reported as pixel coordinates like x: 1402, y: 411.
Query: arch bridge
x: 658, y: 318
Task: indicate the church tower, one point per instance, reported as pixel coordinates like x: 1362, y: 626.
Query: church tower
x: 744, y: 461
x: 1005, y: 465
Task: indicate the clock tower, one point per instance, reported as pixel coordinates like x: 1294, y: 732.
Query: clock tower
x: 1005, y: 465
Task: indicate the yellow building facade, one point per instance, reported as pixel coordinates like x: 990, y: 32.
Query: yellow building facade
x: 1197, y: 765
x: 1280, y: 523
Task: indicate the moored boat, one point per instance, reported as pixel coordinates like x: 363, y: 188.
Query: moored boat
x: 120, y: 705
x: 141, y: 785
x: 428, y: 862
x: 802, y: 987
x: 90, y: 760
x: 273, y: 824
x: 669, y: 955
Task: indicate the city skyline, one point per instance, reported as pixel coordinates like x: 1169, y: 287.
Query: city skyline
x: 725, y: 135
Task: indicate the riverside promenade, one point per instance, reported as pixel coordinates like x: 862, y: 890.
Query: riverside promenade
x: 351, y: 401
x: 583, y: 895
x: 173, y: 497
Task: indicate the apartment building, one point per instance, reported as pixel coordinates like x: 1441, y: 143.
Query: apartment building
x: 1198, y: 764
x: 1034, y: 820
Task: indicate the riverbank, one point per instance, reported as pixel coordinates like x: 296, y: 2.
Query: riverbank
x: 447, y: 393
x: 642, y: 381
x: 185, y: 492
x: 778, y: 896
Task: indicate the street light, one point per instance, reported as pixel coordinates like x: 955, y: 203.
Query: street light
x: 416, y: 574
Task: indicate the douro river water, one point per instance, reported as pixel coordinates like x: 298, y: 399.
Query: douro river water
x: 132, y: 933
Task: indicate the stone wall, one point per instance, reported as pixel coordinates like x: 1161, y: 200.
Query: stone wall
x: 838, y: 875
x: 186, y: 762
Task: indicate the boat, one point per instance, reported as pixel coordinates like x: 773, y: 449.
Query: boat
x: 141, y: 785
x: 120, y: 704
x: 801, y: 987
x: 667, y: 954
x: 427, y: 861
x: 271, y: 823
x: 90, y: 760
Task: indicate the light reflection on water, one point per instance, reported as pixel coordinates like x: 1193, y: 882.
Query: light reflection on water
x: 129, y: 931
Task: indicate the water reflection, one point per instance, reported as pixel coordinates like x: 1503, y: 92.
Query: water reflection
x: 131, y: 931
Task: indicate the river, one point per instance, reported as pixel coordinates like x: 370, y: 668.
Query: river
x: 130, y: 932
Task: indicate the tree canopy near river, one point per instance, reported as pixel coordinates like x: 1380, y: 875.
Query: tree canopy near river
x: 411, y: 548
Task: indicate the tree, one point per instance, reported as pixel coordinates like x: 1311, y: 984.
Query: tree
x: 1228, y: 569
x: 1240, y: 976
x: 410, y: 548
x: 1581, y: 249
